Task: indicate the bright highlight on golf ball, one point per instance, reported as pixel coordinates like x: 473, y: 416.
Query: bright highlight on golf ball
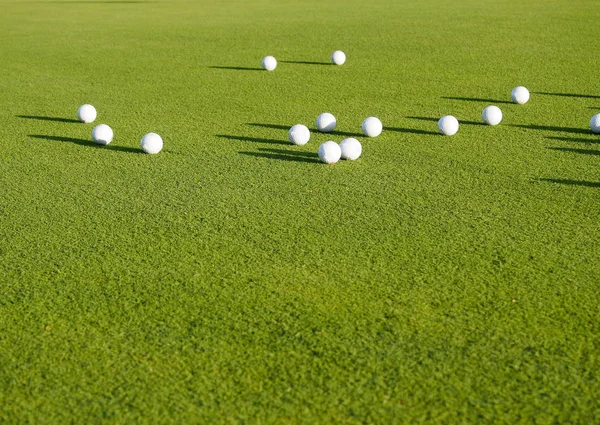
x: 102, y: 134
x: 448, y: 125
x: 372, y: 127
x: 338, y: 57
x: 269, y: 63
x: 326, y: 122
x: 152, y: 143
x: 86, y: 113
x: 330, y: 152
x: 299, y: 134
x: 595, y: 124
x: 520, y: 95
x: 351, y: 148
x: 492, y: 115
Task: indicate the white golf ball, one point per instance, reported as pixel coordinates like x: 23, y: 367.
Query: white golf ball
x: 520, y: 95
x: 152, y: 143
x: 102, y: 134
x: 299, y: 134
x: 351, y: 148
x: 372, y: 127
x: 448, y: 125
x: 86, y: 113
x: 326, y: 122
x: 595, y: 124
x: 269, y: 63
x: 492, y: 115
x: 330, y: 152
x: 338, y: 57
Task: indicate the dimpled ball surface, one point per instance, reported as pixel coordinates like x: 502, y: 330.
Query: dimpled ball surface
x: 299, y: 134
x: 326, y: 122
x: 492, y: 115
x: 152, y: 143
x: 520, y: 95
x: 269, y: 63
x: 102, y: 134
x: 372, y: 127
x: 338, y: 57
x: 330, y: 152
x: 448, y: 125
x: 86, y: 113
x: 351, y: 149
x: 595, y: 124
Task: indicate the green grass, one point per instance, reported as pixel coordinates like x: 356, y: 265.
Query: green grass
x: 234, y: 279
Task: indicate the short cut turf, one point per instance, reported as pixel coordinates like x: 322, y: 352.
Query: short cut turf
x: 234, y: 279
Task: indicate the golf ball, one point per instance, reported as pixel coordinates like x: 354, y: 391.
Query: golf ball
x: 269, y: 63
x: 299, y: 134
x: 152, y: 143
x: 492, y: 115
x: 520, y: 95
x: 338, y: 57
x: 448, y: 125
x: 326, y: 122
x: 330, y: 152
x: 372, y: 127
x: 102, y: 134
x: 595, y: 124
x: 351, y: 148
x: 86, y: 113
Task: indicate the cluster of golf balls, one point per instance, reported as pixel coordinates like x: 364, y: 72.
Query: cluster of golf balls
x: 448, y: 125
x: 330, y: 152
x: 269, y: 63
x: 102, y: 134
x: 350, y: 148
x: 492, y: 115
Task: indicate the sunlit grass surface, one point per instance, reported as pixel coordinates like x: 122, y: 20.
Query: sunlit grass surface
x: 234, y: 279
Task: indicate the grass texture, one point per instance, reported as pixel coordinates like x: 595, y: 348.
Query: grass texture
x: 234, y: 279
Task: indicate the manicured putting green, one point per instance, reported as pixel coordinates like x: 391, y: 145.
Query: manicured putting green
x: 232, y: 278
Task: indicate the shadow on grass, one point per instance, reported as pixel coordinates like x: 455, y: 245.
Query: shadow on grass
x: 284, y: 155
x: 308, y: 63
x: 275, y: 126
x: 437, y: 119
x: 340, y: 133
x: 237, y: 68
x: 572, y: 182
x: 476, y: 99
x: 585, y: 96
x: 573, y: 139
x: 424, y: 119
x: 42, y: 118
x: 84, y: 142
x: 411, y: 130
x: 312, y: 130
x: 574, y: 150
x: 551, y: 128
x: 94, y: 1
x: 252, y: 139
x: 414, y: 130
